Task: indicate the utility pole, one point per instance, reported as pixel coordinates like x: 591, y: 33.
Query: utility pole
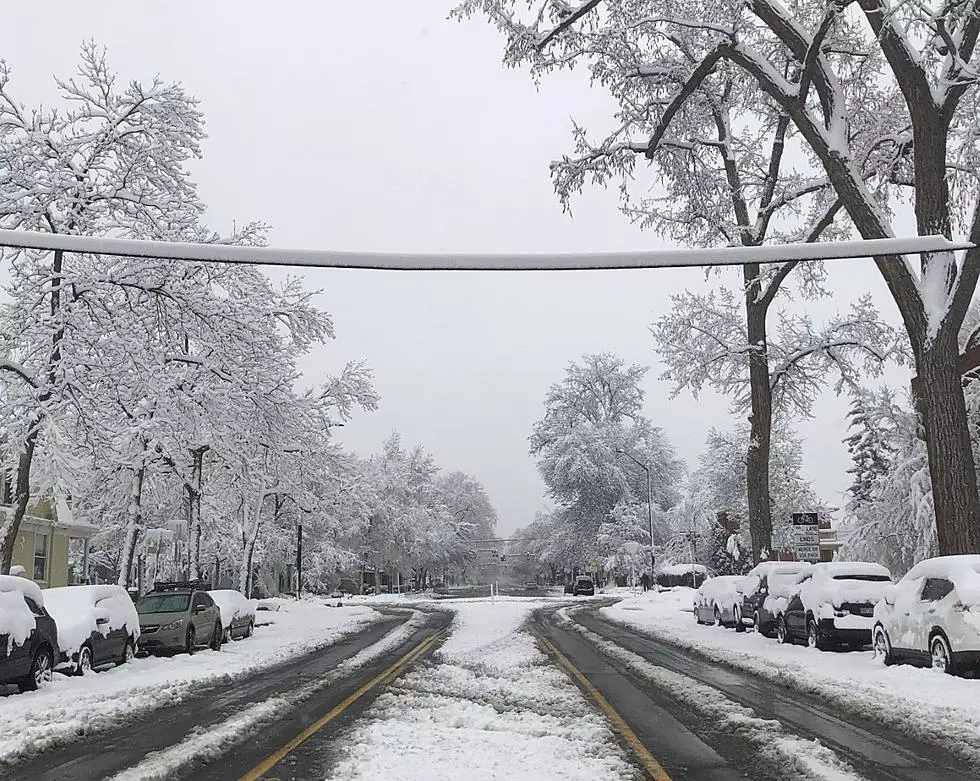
x: 646, y: 468
x: 299, y: 559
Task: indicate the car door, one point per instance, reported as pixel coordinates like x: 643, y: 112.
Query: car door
x: 109, y: 647
x: 213, y: 612
x: 925, y: 612
x: 795, y: 616
x: 900, y: 623
x: 201, y: 618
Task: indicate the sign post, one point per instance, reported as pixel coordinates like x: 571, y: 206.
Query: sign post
x: 806, y: 543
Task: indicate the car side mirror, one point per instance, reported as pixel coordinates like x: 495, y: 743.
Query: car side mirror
x: 889, y: 595
x: 101, y: 620
x: 200, y: 609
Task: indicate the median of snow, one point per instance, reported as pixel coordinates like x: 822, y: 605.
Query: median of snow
x: 923, y: 703
x: 488, y: 705
x: 68, y: 709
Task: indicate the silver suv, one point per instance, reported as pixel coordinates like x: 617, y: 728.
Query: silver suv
x: 179, y: 617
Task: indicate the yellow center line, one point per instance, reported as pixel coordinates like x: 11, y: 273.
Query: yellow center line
x: 392, y: 672
x: 653, y: 768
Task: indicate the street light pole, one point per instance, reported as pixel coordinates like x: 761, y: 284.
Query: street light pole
x: 646, y: 468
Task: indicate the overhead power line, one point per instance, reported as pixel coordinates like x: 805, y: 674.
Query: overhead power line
x: 459, y: 261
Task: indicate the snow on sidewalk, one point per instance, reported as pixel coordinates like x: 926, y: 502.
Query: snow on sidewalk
x: 68, y: 708
x: 488, y: 705
x: 920, y: 702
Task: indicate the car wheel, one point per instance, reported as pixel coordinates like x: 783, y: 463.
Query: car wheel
x: 881, y: 646
x: 737, y: 612
x: 190, y: 641
x: 757, y: 621
x: 813, y: 636
x: 782, y: 635
x: 718, y: 621
x: 942, y: 655
x: 227, y: 636
x: 129, y: 652
x: 84, y: 665
x: 216, y: 637
x: 250, y: 629
x: 42, y: 668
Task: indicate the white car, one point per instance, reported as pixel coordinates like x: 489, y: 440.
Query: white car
x: 715, y: 600
x: 237, y: 613
x: 932, y: 615
x: 98, y: 626
x: 833, y: 604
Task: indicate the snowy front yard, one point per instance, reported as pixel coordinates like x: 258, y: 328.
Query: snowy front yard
x: 69, y: 707
x: 489, y: 705
x: 921, y: 702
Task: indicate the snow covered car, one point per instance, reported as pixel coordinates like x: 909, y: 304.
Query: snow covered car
x: 932, y: 615
x: 28, y: 635
x: 237, y: 613
x: 754, y: 591
x: 714, y: 602
x: 97, y: 625
x: 833, y: 605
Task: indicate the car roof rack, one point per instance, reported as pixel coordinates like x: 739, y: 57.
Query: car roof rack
x: 174, y: 585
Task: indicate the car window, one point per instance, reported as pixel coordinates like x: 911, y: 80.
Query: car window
x: 35, y: 608
x: 935, y: 589
x: 163, y: 603
x: 199, y: 600
x: 867, y: 578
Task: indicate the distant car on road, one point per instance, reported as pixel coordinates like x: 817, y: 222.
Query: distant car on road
x: 28, y: 635
x: 754, y: 590
x: 583, y: 586
x: 832, y: 606
x: 237, y: 613
x: 179, y: 617
x: 715, y: 600
x: 932, y: 616
x: 97, y: 625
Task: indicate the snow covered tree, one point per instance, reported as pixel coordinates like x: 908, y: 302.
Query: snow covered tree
x: 883, y: 98
x: 591, y: 443
x: 891, y: 518
x: 706, y: 340
x: 871, y: 444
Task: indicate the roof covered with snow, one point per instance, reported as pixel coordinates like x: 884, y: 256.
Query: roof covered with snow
x: 683, y: 569
x: 844, y: 568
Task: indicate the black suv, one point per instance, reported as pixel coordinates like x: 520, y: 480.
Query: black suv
x: 583, y: 585
x: 31, y: 663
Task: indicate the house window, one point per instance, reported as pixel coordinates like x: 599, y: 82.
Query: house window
x: 40, y: 556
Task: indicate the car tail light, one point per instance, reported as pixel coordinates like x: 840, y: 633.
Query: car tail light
x: 960, y: 607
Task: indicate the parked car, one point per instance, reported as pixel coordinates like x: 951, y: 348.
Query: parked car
x: 237, y: 613
x: 28, y: 635
x: 932, y: 615
x: 833, y: 605
x: 97, y: 625
x: 179, y: 617
x: 715, y: 600
x: 583, y: 586
x: 754, y: 591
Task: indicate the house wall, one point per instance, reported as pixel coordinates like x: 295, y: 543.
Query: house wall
x: 57, y: 568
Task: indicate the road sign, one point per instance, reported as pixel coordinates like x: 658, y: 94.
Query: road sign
x: 807, y: 538
x: 808, y: 552
x: 805, y: 519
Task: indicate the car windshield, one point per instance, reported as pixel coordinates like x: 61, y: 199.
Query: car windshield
x: 876, y: 578
x: 163, y: 603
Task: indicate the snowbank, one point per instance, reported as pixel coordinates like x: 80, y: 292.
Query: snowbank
x: 77, y: 609
x: 489, y: 705
x: 70, y: 708
x: 920, y: 702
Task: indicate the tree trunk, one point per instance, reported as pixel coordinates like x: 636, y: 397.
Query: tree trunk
x: 133, y: 524
x: 245, y: 574
x: 951, y: 466
x: 760, y: 420
x: 193, y: 490
x: 22, y: 495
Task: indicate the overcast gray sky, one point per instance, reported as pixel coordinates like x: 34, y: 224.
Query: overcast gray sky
x: 383, y: 126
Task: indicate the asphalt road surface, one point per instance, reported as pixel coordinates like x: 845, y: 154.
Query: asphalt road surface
x: 667, y: 734
x: 684, y: 745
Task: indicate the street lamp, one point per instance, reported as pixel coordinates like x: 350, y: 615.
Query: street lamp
x: 646, y: 469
